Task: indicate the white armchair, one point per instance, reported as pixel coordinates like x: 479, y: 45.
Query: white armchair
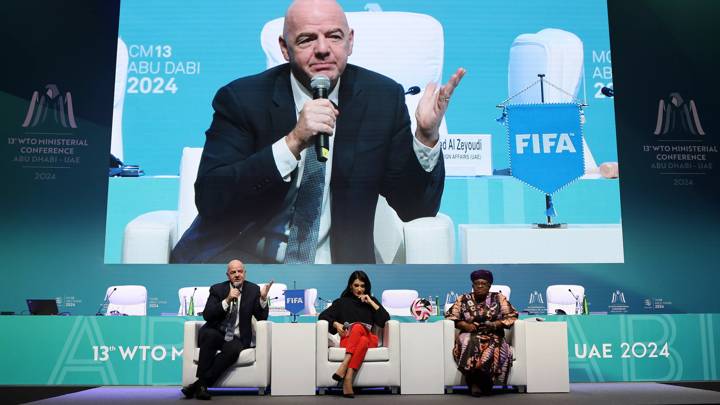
x: 559, y: 55
x: 199, y: 297
x: 564, y: 297
x: 126, y: 300
x: 501, y: 288
x: 515, y: 337
x: 277, y: 298
x: 252, y: 368
x: 397, y: 302
x: 381, y: 367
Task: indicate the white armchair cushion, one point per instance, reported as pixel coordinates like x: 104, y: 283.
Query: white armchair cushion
x: 562, y: 297
x: 127, y: 300
x: 381, y: 367
x: 515, y: 337
x: 149, y: 238
x: 252, y: 369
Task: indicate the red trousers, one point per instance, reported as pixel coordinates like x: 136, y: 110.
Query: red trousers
x: 356, y: 344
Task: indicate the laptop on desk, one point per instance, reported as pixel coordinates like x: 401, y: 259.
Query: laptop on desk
x: 42, y: 307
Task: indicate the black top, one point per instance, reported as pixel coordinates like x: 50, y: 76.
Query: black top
x: 351, y: 309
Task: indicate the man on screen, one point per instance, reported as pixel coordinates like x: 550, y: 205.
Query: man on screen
x: 228, y: 316
x: 261, y: 193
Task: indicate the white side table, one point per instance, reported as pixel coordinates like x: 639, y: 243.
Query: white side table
x: 546, y: 345
x: 293, y: 359
x: 511, y: 244
x: 421, y: 358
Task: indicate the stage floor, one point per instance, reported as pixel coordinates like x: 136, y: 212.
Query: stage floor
x: 587, y: 393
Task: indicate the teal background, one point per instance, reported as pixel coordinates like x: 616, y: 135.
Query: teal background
x: 52, y: 233
x: 66, y: 357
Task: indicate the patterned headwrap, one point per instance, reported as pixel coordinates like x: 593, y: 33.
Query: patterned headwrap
x: 483, y: 274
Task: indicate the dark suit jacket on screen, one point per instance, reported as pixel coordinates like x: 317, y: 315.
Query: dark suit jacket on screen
x: 239, y: 188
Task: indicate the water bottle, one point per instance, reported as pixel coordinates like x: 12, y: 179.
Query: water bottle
x: 191, y: 307
x: 585, y: 306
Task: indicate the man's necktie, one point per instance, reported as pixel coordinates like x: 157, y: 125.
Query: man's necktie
x: 305, y: 222
x: 229, y: 323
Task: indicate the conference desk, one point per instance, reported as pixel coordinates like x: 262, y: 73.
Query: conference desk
x: 523, y: 243
x: 89, y: 350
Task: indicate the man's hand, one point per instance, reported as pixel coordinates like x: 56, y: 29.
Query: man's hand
x: 265, y: 290
x: 233, y: 295
x: 431, y: 109
x: 315, y: 117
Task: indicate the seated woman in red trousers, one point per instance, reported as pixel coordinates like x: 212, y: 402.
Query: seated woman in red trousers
x: 352, y: 316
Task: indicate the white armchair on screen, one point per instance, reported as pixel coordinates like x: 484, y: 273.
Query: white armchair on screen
x: 515, y: 336
x: 397, y: 302
x: 252, y: 368
x: 199, y: 297
x: 559, y: 55
x: 126, y: 300
x: 150, y: 237
x: 567, y: 298
x: 381, y: 367
x: 311, y: 296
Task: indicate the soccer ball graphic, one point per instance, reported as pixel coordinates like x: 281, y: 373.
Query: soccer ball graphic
x: 421, y: 309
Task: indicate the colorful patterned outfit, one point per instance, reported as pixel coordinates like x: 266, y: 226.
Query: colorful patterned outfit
x: 486, y: 350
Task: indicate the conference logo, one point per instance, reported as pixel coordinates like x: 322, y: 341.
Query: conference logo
x: 51, y: 107
x: 675, y: 114
x: 618, y: 304
x: 536, y: 303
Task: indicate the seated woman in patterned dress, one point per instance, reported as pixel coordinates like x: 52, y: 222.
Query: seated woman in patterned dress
x: 480, y: 349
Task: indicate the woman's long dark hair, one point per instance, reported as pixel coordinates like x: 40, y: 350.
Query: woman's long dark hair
x: 357, y: 275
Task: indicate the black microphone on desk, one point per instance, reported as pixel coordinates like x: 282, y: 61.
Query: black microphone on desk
x: 412, y: 91
x: 320, y: 86
x: 105, y: 301
x: 608, y: 91
x: 577, y: 300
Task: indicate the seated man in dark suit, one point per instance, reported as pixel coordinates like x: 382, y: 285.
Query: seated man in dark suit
x: 261, y: 193
x: 228, y: 327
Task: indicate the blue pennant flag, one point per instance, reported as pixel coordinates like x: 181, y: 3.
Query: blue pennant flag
x: 546, y: 144
x: 294, y: 301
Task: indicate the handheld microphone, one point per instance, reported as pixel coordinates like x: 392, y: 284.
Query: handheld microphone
x: 607, y: 92
x: 412, y: 91
x: 105, y: 301
x: 237, y: 286
x: 320, y: 86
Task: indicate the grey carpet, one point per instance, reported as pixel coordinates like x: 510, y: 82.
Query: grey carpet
x: 605, y: 393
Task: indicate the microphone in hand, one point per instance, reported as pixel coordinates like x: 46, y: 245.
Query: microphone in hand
x: 320, y: 85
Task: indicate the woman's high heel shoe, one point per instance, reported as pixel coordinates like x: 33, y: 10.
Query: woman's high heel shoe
x: 337, y: 377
